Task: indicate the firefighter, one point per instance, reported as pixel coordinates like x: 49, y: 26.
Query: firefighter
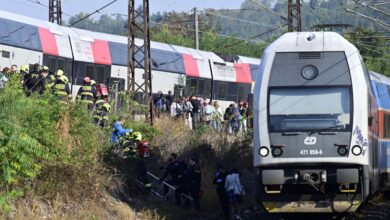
x: 102, y: 108
x: 41, y: 83
x: 87, y: 93
x: 32, y: 79
x: 129, y: 144
x: 61, y: 87
x: 24, y: 70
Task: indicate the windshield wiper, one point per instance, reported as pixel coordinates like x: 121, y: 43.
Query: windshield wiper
x: 325, y: 129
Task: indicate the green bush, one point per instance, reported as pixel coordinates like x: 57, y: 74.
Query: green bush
x: 46, y: 145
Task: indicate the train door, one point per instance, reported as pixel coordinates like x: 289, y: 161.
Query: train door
x: 372, y: 122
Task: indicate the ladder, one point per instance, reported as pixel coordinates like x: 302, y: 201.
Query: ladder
x: 164, y: 190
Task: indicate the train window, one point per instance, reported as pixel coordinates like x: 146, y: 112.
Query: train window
x: 100, y: 74
x: 61, y: 65
x: 221, y: 93
x: 241, y: 93
x: 52, y: 64
x: 201, y: 86
x: 193, y: 86
x: 5, y: 54
x: 207, y: 91
x: 388, y: 90
x: 386, y: 126
x: 90, y: 71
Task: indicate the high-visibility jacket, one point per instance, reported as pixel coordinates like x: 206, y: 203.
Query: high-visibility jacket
x: 102, y: 108
x: 87, y: 94
x: 62, y: 90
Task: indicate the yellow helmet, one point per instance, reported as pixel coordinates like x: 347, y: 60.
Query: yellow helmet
x: 93, y: 82
x: 63, y: 79
x: 136, y: 136
x: 59, y: 73
x: 45, y: 68
x: 25, y: 68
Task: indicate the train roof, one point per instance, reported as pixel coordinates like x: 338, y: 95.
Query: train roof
x: 250, y: 60
x: 379, y: 78
x: 311, y: 41
x: 109, y: 49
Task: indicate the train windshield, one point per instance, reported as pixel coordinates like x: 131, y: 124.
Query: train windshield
x: 309, y: 109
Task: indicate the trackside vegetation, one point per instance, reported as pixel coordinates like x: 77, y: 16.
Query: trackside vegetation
x: 46, y: 147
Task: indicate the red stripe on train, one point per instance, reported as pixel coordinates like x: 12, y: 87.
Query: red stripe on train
x: 101, y: 52
x: 48, y: 41
x: 190, y: 65
x: 243, y: 73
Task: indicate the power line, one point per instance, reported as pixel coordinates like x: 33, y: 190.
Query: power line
x: 96, y: 11
x: 386, y: 26
x: 375, y: 9
x: 269, y: 10
x: 255, y: 36
x: 222, y: 35
x: 242, y: 20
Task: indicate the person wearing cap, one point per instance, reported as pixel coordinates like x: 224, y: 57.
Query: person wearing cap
x: 61, y: 87
x: 87, y: 93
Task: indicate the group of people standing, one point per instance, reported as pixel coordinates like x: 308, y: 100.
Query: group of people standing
x: 39, y: 79
x: 196, y: 111
x: 186, y: 178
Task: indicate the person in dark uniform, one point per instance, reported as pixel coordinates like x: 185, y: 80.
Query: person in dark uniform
x: 31, y: 79
x: 219, y: 181
x: 61, y: 87
x: 190, y: 184
x: 87, y: 93
x: 102, y: 109
x: 174, y: 170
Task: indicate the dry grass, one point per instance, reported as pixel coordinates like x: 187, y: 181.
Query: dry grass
x: 211, y: 148
x: 104, y: 207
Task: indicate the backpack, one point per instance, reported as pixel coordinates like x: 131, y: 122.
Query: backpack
x: 208, y: 110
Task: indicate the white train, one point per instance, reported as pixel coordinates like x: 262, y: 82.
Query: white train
x: 321, y: 126
x: 25, y: 40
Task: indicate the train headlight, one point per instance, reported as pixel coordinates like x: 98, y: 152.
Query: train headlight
x: 342, y: 151
x: 277, y: 152
x: 263, y: 151
x: 309, y: 72
x: 356, y: 150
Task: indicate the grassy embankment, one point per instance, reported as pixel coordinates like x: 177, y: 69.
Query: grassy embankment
x: 52, y: 162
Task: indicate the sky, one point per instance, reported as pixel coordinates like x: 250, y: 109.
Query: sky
x: 30, y: 8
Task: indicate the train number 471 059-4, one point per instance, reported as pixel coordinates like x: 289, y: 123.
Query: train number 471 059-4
x: 311, y: 152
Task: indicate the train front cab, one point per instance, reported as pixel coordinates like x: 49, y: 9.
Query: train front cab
x: 311, y: 134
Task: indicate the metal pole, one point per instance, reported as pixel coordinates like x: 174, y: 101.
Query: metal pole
x: 55, y: 11
x: 116, y: 97
x: 196, y: 28
x: 294, y: 16
x: 139, y: 55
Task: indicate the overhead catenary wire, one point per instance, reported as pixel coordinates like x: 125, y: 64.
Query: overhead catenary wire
x: 96, y: 11
x: 373, y: 8
x: 384, y: 25
x: 209, y: 32
x: 269, y: 10
x: 242, y: 20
